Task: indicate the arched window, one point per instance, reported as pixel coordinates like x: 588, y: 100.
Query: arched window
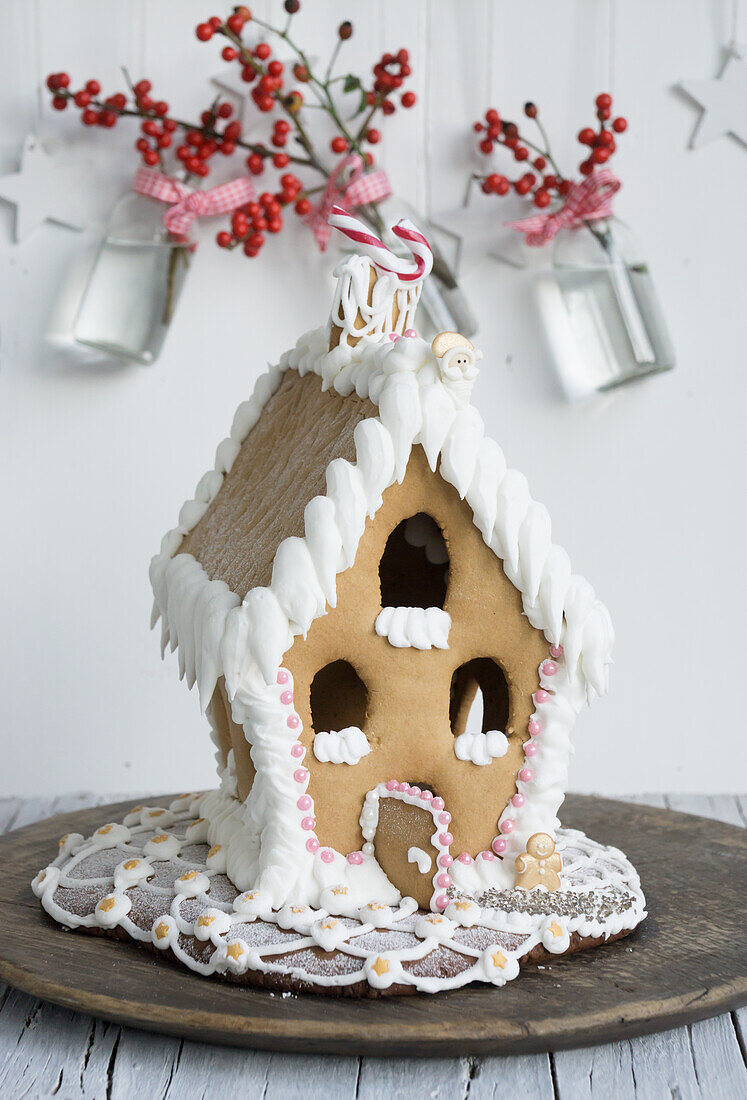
x: 338, y: 714
x: 479, y: 711
x: 414, y: 568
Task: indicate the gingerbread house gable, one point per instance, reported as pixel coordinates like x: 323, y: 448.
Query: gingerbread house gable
x: 256, y: 558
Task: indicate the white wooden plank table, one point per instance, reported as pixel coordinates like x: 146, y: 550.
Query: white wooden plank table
x: 48, y: 1051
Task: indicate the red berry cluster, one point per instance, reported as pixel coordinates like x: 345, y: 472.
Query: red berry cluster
x: 389, y: 75
x: 540, y: 183
x: 194, y: 144
x: 251, y: 221
x: 601, y: 142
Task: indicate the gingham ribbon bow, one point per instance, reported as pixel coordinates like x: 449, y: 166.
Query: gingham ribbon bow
x: 585, y: 201
x: 185, y: 204
x: 360, y: 188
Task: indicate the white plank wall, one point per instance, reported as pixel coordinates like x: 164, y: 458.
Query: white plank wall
x: 48, y: 1051
x: 96, y: 458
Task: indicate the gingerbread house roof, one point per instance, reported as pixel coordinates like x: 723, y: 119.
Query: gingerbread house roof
x: 232, y: 604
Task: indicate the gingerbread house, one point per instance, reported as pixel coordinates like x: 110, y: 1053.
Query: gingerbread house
x: 390, y: 648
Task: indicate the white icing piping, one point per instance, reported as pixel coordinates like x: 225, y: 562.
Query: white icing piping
x: 347, y: 746
x: 414, y: 627
x: 481, y: 748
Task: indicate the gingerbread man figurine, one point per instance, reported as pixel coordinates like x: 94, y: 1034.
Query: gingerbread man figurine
x: 539, y: 865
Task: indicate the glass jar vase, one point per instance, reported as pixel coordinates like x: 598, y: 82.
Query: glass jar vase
x: 601, y: 313
x: 135, y: 282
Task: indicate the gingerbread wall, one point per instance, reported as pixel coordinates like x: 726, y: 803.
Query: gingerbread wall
x: 407, y: 717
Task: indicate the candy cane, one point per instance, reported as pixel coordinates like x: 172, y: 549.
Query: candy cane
x: 377, y: 251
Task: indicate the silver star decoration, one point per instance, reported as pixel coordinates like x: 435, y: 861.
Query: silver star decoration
x: 723, y: 100
x: 43, y: 190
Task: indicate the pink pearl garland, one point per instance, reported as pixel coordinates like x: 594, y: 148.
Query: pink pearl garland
x: 391, y: 785
x: 297, y: 749
x: 308, y: 823
x: 293, y: 722
x: 445, y: 860
x: 445, y: 839
x: 518, y: 800
x: 541, y: 696
x: 487, y: 856
x: 312, y: 844
x: 534, y: 727
x: 443, y: 880
x: 506, y: 826
x: 441, y: 901
x: 549, y: 668
x: 438, y: 803
x: 526, y: 775
x: 304, y: 802
x: 465, y: 858
x: 283, y: 676
x: 498, y: 845
x: 356, y: 858
x: 286, y: 697
x: 410, y: 332
x: 556, y: 651
x: 300, y: 775
x: 444, y: 818
x: 327, y: 856
x: 530, y: 749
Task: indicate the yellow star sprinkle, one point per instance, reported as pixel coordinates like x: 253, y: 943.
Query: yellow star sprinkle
x: 381, y: 966
x: 214, y: 850
x: 131, y: 864
x: 252, y: 895
x: 63, y: 839
x: 329, y: 923
x: 462, y: 905
x: 197, y: 821
x: 375, y: 906
x: 298, y: 908
x: 234, y: 950
x: 555, y: 929
x: 155, y: 813
x: 106, y: 905
x: 499, y: 959
x: 337, y: 890
x: 159, y: 839
x: 188, y: 876
x: 162, y: 930
x: 204, y: 922
x: 136, y: 809
x: 42, y: 876
x: 103, y: 830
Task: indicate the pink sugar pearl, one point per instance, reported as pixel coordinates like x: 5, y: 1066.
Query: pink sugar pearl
x: 312, y: 844
x: 530, y: 749
x: 415, y: 790
x: 438, y: 803
x: 549, y: 668
x: 506, y: 826
x: 283, y: 676
x: 297, y: 749
x: 441, y: 901
x: 308, y: 823
x: 293, y: 722
x: 300, y: 775
x: 526, y: 775
x: 403, y: 788
x: 541, y: 696
x: 556, y: 651
x: 443, y: 880
x: 394, y: 337
x: 391, y: 785
x: 410, y: 332
x: 499, y: 845
x: 327, y: 856
x: 445, y: 860
x: 464, y: 858
x: 304, y: 802
x: 534, y: 727
x: 445, y: 839
x: 518, y: 800
x: 425, y: 796
x: 286, y: 697
x: 444, y: 819
x: 356, y: 858
x: 487, y: 856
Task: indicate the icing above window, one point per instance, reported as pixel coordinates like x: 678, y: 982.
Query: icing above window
x: 414, y: 627
x: 347, y: 746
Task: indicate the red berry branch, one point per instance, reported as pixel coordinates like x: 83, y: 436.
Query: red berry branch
x: 540, y: 184
x: 184, y: 149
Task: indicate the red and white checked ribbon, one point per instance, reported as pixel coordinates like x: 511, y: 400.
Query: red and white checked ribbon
x: 586, y: 201
x: 185, y: 204
x: 359, y: 188
x: 407, y: 271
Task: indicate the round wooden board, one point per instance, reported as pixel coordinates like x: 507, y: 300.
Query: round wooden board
x: 687, y: 961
